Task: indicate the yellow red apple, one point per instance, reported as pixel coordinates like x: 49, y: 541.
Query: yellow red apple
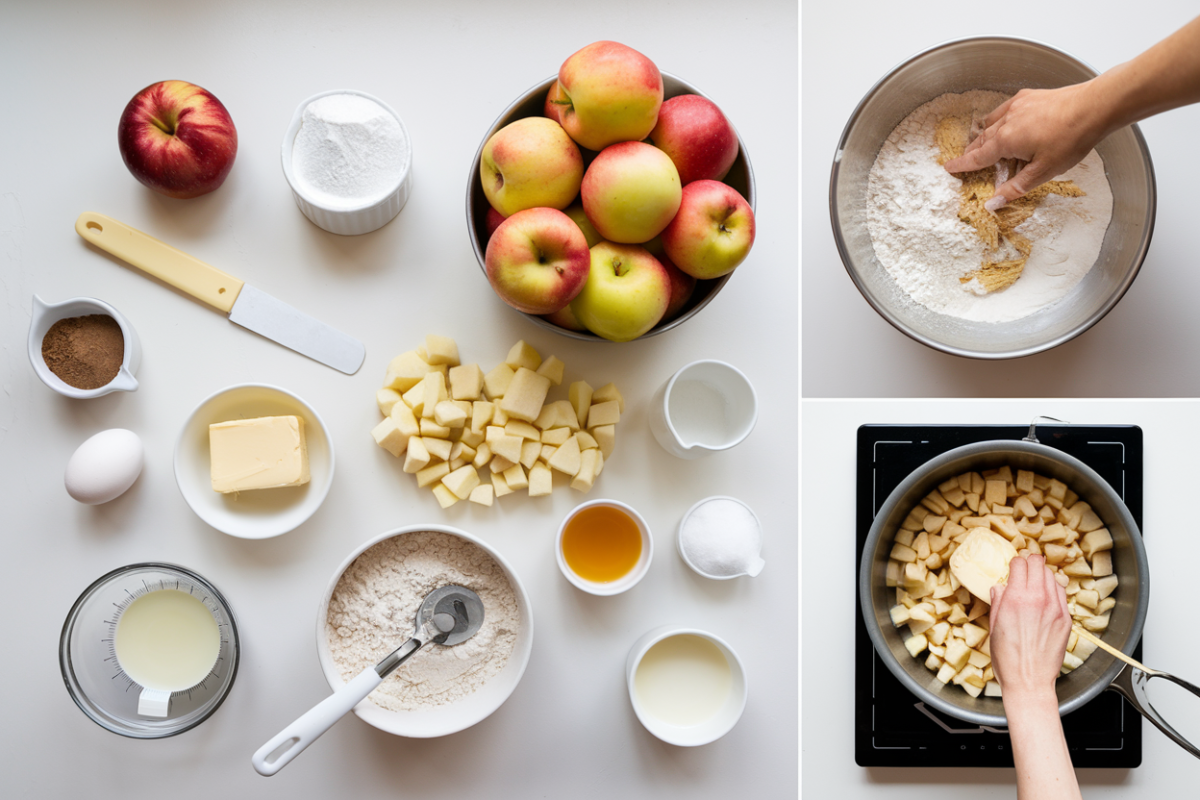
x: 575, y: 211
x: 530, y: 163
x: 537, y: 260
x: 178, y: 139
x: 713, y: 231
x: 609, y: 93
x: 626, y: 293
x: 697, y: 136
x: 630, y: 192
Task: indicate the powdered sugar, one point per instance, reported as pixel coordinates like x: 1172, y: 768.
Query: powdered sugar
x: 349, y: 151
x: 374, y: 607
x: 912, y: 217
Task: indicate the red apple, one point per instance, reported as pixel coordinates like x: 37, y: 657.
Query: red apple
x: 630, y: 192
x: 697, y: 136
x: 177, y: 139
x: 537, y: 260
x: 682, y: 287
x: 610, y: 93
x: 713, y: 231
x: 530, y: 163
x: 492, y: 220
x: 565, y: 318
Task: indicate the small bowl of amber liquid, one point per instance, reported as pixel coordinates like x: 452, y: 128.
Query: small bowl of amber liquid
x: 604, y: 547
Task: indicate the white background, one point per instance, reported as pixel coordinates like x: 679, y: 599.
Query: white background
x: 448, y: 69
x: 1142, y: 348
x: 1170, y: 430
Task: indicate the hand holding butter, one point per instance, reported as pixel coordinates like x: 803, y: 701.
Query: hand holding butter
x: 259, y: 453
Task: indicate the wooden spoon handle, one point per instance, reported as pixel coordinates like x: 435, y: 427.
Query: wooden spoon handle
x: 1114, y: 652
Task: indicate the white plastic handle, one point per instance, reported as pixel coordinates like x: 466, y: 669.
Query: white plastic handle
x: 292, y: 740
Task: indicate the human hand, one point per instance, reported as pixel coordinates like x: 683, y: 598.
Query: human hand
x: 1030, y: 626
x: 1050, y: 129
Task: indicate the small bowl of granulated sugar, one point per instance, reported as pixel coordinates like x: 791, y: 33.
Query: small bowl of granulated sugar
x: 370, y: 609
x: 930, y: 256
x: 348, y: 158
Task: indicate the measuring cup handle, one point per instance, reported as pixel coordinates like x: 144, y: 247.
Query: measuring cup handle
x: 306, y: 730
x: 1131, y: 684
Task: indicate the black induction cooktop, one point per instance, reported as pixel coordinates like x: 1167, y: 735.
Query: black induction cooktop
x: 892, y: 727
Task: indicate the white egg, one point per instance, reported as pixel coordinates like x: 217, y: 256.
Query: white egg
x: 105, y: 466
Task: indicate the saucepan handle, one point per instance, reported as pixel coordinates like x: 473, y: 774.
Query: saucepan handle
x: 1131, y: 682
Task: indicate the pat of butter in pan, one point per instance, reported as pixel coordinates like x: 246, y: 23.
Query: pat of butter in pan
x: 261, y: 453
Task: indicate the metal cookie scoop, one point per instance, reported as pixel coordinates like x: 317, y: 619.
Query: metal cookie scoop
x: 447, y: 616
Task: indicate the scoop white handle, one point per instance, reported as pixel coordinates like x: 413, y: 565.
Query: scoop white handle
x: 292, y: 740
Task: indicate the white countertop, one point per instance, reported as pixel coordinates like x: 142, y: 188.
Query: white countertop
x: 449, y: 69
x: 1170, y: 430
x: 846, y: 48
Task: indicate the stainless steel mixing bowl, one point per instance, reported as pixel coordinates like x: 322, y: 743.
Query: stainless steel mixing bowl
x: 1129, y: 563
x: 1004, y: 65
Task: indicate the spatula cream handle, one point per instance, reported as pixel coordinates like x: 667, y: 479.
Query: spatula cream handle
x: 188, y: 274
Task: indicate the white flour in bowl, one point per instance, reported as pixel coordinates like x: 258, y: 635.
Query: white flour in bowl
x: 373, y: 611
x: 912, y: 218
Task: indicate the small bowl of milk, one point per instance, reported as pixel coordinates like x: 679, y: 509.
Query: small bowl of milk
x: 687, y: 686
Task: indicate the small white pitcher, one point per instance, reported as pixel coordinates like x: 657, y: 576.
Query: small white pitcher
x: 46, y: 314
x: 706, y: 406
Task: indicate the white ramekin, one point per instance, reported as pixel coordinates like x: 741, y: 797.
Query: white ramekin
x: 354, y: 220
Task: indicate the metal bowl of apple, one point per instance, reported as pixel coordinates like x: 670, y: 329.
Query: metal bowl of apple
x: 531, y: 104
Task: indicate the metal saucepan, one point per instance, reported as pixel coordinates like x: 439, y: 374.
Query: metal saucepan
x: 1099, y: 672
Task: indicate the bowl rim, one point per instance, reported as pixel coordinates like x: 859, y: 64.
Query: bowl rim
x: 289, y: 141
x: 322, y: 491
x: 663, y: 730
x: 899, y: 324
x: 626, y: 581
x: 587, y: 336
x: 521, y: 651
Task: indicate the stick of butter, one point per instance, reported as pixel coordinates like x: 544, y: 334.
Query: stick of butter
x: 260, y: 453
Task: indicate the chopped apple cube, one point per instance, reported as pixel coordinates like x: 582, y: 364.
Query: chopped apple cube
x: 567, y: 458
x: 580, y: 395
x: 547, y: 453
x: 606, y: 413
x: 482, y: 494
x: 449, y: 415
x: 432, y: 474
x: 499, y: 417
x: 431, y: 430
x: 499, y: 485
x: 445, y: 497
x: 1096, y: 541
x: 466, y: 382
x: 522, y: 355
x: 606, y: 438
x: 414, y: 398
x: 482, y: 456
x: 417, y: 457
x: 530, y: 452
x: 497, y: 381
x: 606, y: 393
x: 525, y: 395
x: 481, y: 415
x: 899, y: 615
x: 508, y: 446
x: 515, y: 477
x: 500, y: 463
x: 438, y: 448
x: 524, y: 430
x: 406, y: 371
x: 441, y: 350
x: 433, y: 392
x: 916, y: 644
x: 462, y: 481
x: 589, y: 465
x: 390, y: 437
x: 586, y: 442
x: 556, y: 436
x: 386, y: 398
x: 541, y: 480
x: 552, y: 368
x: 462, y: 450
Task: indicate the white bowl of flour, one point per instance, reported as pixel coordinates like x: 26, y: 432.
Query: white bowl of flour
x: 369, y: 610
x: 348, y: 160
x: 894, y: 209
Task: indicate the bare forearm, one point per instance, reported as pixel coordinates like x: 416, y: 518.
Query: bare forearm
x: 1164, y: 77
x: 1044, y: 770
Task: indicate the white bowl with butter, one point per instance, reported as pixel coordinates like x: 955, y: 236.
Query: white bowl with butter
x: 257, y: 513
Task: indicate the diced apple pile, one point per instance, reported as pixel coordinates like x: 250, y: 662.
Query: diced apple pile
x: 1037, y: 515
x: 449, y: 420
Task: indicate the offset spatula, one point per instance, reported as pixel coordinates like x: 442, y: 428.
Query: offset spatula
x: 245, y: 305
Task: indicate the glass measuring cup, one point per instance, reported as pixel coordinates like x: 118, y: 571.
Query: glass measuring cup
x: 95, y: 679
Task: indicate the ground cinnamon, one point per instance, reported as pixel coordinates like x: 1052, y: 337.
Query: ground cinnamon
x: 85, y: 352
